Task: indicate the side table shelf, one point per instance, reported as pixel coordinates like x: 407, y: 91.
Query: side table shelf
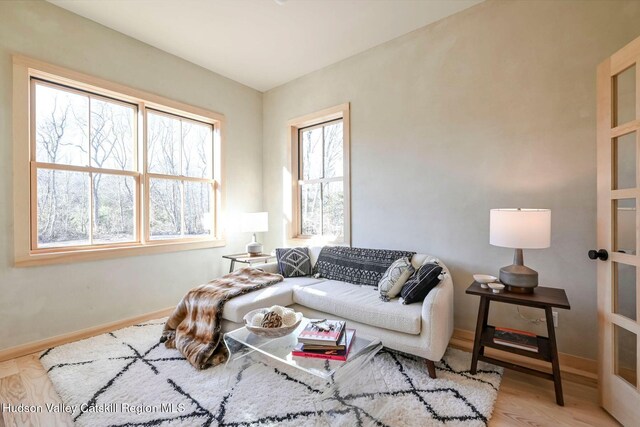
x: 544, y: 349
x: 543, y: 298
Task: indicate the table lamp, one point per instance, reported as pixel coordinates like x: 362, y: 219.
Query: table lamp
x: 520, y: 229
x: 255, y: 222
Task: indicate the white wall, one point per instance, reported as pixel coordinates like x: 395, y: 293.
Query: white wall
x: 492, y: 107
x: 40, y: 302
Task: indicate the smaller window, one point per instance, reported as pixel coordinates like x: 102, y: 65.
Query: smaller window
x: 322, y: 188
x: 321, y: 176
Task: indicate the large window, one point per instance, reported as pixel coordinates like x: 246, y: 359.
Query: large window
x: 110, y: 170
x: 321, y: 188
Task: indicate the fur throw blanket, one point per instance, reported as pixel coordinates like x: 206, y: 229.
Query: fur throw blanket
x: 194, y: 327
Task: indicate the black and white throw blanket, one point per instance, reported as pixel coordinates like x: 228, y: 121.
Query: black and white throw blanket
x: 356, y: 265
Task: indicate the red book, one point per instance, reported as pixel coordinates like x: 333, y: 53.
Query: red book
x: 330, y: 354
x: 325, y: 333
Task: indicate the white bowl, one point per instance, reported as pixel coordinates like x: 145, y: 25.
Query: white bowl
x: 270, y: 332
x: 484, y: 278
x: 496, y: 287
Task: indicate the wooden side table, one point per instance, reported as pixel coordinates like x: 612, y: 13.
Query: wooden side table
x: 544, y: 298
x: 244, y: 258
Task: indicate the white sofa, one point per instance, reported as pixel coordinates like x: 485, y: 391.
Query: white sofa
x: 420, y: 329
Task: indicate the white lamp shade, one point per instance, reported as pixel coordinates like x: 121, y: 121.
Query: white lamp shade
x: 255, y: 222
x: 520, y: 228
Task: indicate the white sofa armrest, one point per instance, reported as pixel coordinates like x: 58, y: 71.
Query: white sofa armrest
x: 437, y: 317
x: 270, y: 267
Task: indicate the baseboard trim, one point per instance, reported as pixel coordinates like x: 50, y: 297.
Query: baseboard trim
x: 573, y: 366
x: 36, y: 346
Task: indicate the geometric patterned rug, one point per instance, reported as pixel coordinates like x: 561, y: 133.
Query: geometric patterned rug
x: 127, y: 378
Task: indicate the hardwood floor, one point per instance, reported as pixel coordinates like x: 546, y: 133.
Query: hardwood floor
x: 523, y: 400
x: 24, y: 380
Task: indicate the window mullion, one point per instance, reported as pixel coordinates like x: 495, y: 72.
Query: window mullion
x: 85, y: 169
x: 91, y: 208
x: 322, y: 152
x: 182, y: 182
x: 182, y: 195
x: 322, y: 186
x: 181, y: 171
x: 143, y: 184
x: 89, y: 164
x: 300, y: 155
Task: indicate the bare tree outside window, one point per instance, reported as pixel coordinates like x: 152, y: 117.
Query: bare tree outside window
x: 61, y: 132
x: 321, y: 166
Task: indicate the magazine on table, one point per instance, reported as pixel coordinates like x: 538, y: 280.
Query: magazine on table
x: 325, y: 332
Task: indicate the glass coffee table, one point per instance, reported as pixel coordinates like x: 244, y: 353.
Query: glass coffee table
x: 277, y: 352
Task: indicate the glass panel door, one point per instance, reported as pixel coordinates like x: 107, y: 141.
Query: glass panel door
x: 618, y: 232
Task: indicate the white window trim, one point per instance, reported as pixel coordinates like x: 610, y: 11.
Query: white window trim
x: 24, y: 208
x: 342, y: 111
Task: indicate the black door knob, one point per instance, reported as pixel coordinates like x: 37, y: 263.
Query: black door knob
x: 601, y: 254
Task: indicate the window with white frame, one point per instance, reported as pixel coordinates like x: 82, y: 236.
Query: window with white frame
x: 321, y: 199
x: 116, y: 172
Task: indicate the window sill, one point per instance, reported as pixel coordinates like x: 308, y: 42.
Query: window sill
x: 91, y: 254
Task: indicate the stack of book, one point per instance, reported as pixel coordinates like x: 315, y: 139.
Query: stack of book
x: 516, y: 339
x: 326, y: 339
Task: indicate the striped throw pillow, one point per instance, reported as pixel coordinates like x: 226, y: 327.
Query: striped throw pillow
x: 421, y: 283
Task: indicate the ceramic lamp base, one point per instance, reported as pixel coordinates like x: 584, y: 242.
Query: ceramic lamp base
x: 518, y: 277
x: 254, y: 248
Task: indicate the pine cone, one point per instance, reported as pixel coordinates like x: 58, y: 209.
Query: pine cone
x: 271, y: 320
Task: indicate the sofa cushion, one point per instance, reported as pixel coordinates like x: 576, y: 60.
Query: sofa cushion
x: 278, y: 294
x: 356, y: 265
x: 361, y: 304
x: 394, y: 278
x: 293, y: 262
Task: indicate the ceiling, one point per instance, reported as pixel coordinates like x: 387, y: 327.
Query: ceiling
x: 264, y: 43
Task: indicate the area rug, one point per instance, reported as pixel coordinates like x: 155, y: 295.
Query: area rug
x: 127, y: 378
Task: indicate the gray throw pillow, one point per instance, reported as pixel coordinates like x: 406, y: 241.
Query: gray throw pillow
x: 293, y: 262
x: 394, y: 278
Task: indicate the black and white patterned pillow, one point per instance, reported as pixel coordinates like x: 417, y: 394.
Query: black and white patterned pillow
x: 394, y: 278
x: 356, y: 265
x: 421, y: 283
x: 293, y: 262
